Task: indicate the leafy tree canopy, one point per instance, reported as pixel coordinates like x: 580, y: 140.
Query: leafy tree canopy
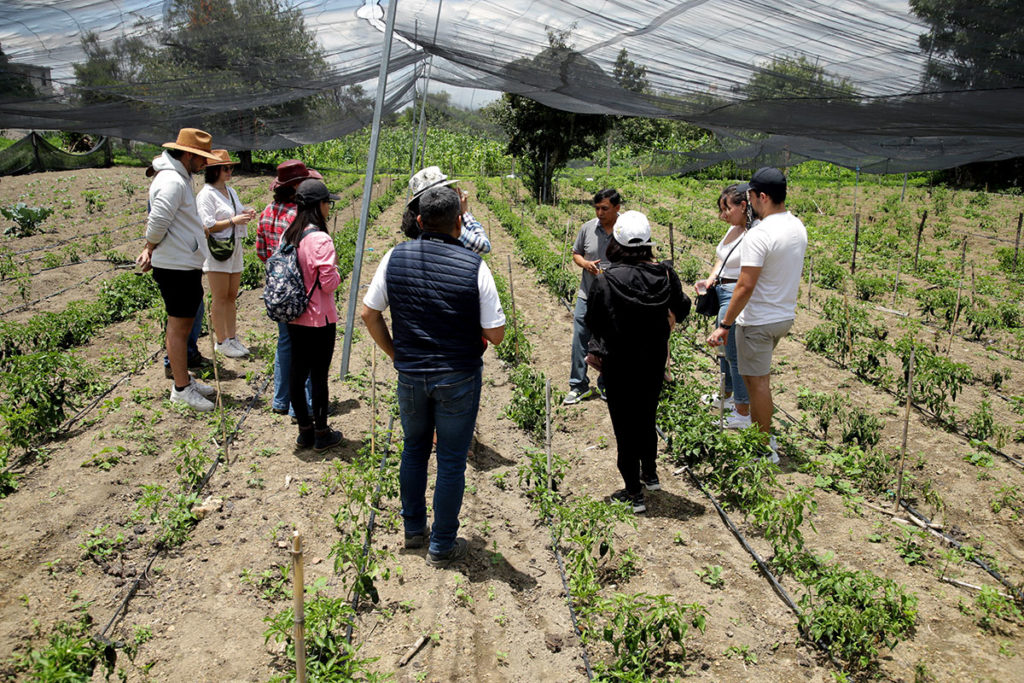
x: 793, y: 77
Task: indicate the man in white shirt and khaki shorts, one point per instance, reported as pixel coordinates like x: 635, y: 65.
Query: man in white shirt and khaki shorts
x: 763, y: 303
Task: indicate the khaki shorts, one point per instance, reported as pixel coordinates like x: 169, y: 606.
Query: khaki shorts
x: 755, y: 344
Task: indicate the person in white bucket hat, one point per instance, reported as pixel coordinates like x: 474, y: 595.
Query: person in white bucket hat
x: 473, y: 236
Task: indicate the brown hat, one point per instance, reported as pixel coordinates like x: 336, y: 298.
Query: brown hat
x: 291, y: 172
x: 222, y: 158
x: 193, y: 140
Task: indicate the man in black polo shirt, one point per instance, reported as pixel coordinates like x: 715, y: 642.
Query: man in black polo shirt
x: 443, y: 300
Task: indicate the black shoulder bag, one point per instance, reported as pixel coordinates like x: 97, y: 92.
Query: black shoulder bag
x: 222, y: 250
x: 707, y: 303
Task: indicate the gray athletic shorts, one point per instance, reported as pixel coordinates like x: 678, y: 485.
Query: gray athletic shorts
x: 755, y: 344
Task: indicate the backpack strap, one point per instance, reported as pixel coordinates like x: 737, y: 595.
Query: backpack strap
x: 316, y: 284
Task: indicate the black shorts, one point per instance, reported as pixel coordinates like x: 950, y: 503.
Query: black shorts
x: 182, y: 291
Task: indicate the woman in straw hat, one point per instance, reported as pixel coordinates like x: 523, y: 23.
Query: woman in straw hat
x: 224, y: 220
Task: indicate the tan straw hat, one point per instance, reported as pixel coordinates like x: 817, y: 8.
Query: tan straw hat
x: 222, y: 158
x: 195, y: 141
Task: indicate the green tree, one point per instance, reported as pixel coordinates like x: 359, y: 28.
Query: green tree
x: 543, y: 139
x: 786, y: 77
x: 975, y: 44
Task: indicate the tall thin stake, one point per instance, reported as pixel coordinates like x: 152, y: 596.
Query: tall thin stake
x: 856, y: 240
x: 216, y: 377
x: 1016, y: 244
x: 959, y: 293
x: 906, y: 425
x: 672, y: 243
x: 547, y: 424
x: 565, y: 243
x: 856, y: 186
x: 896, y: 284
x: 298, y: 583
x: 810, y: 279
x: 373, y: 400
x: 512, y: 298
x: 721, y: 389
x: 849, y: 330
x: 920, y: 231
x: 903, y: 194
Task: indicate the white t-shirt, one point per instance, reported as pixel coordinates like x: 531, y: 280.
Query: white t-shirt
x: 731, y: 269
x: 491, y: 314
x: 214, y: 206
x: 776, y: 245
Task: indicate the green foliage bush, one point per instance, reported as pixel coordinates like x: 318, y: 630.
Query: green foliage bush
x: 26, y: 218
x: 828, y: 273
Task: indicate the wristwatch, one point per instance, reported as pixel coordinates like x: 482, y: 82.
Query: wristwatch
x: 724, y: 326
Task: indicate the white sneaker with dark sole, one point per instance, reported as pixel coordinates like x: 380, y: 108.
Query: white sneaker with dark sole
x: 575, y: 396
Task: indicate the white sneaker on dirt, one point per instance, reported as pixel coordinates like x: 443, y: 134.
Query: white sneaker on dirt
x: 773, y: 451
x: 736, y: 421
x: 226, y: 348
x: 239, y: 345
x: 204, y: 390
x: 191, y: 397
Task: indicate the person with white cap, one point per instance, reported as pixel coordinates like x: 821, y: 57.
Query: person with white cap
x: 175, y: 251
x: 471, y: 235
x: 631, y: 309
x: 763, y: 303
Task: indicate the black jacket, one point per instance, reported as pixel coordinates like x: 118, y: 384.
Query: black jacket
x: 627, y: 313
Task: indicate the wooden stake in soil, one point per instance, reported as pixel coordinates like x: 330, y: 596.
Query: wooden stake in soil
x: 856, y: 239
x: 906, y: 426
x: 671, y: 243
x: 216, y: 376
x: 849, y: 330
x: 512, y: 298
x: 373, y: 400
x: 721, y: 393
x: 547, y: 425
x: 1016, y: 244
x: 920, y: 231
x: 959, y: 293
x: 565, y: 244
x: 810, y: 279
x: 298, y: 582
x: 896, y: 284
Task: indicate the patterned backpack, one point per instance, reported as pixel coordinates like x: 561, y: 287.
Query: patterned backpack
x: 284, y: 292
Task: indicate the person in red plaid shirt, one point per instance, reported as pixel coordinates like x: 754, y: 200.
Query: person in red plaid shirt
x: 274, y: 220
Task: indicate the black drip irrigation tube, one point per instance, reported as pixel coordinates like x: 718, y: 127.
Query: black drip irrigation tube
x: 133, y: 589
x: 1015, y: 590
x: 371, y: 523
x: 78, y: 238
x: 569, y: 602
x: 86, y: 281
x: 950, y: 426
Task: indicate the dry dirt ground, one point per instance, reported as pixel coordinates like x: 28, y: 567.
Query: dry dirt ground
x: 500, y: 616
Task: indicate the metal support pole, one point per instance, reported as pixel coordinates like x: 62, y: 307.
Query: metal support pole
x: 856, y: 240
x: 423, y: 103
x: 1016, y: 244
x: 371, y: 167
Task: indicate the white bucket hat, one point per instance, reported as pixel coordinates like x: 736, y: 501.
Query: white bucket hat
x: 429, y: 177
x: 632, y: 230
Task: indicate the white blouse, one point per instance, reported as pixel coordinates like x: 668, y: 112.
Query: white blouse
x: 214, y: 206
x: 731, y: 269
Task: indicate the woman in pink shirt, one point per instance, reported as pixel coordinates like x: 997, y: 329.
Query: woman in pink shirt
x: 313, y: 332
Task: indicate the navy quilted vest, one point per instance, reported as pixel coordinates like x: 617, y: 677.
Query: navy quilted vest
x: 435, y: 305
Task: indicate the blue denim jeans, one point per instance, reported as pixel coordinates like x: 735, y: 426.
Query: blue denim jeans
x: 580, y: 339
x: 193, y: 336
x: 446, y: 402
x: 282, y: 368
x: 730, y: 367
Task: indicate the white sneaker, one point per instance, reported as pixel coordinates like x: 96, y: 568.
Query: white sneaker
x: 191, y: 397
x: 773, y: 451
x: 712, y: 400
x: 736, y: 421
x: 239, y: 345
x: 204, y: 389
x: 228, y: 349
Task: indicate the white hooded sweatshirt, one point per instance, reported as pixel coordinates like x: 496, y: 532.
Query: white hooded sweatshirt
x: 174, y: 225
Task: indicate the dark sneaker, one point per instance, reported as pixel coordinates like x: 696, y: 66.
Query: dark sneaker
x: 457, y: 552
x: 305, y: 438
x: 418, y: 539
x: 636, y: 500
x: 280, y: 411
x: 652, y: 483
x: 167, y: 371
x: 327, y: 438
x: 199, y: 361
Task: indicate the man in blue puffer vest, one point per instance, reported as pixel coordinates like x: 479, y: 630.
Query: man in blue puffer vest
x: 443, y: 306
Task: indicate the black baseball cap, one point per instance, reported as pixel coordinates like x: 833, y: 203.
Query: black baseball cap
x: 313, y: 191
x: 765, y: 179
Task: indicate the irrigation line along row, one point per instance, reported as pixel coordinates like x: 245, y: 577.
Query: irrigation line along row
x: 371, y: 523
x: 104, y: 231
x: 1015, y: 590
x: 198, y: 489
x: 86, y: 281
x: 1018, y: 594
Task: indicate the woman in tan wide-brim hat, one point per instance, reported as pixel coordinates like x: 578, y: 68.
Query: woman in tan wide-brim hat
x: 224, y: 219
